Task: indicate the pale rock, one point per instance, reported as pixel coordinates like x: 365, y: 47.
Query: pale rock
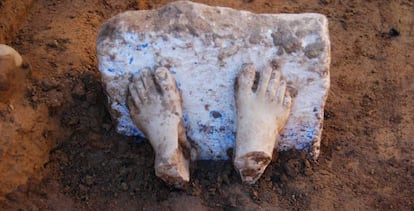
x: 10, y: 60
x: 205, y: 47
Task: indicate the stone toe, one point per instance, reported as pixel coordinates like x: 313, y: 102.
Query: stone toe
x: 264, y: 81
x: 273, y: 86
x: 246, y: 78
x: 167, y: 84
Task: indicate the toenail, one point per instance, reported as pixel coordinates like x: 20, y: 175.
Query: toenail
x: 161, y: 75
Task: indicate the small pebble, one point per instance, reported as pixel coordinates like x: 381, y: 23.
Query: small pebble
x: 89, y: 180
x: 124, y: 186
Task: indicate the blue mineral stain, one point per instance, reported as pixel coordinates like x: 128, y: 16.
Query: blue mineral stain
x: 111, y: 70
x: 185, y: 118
x: 131, y: 60
x: 230, y: 137
x: 178, y: 84
x: 125, y: 127
x: 134, y: 131
x: 310, y: 133
x: 142, y: 46
x: 305, y: 146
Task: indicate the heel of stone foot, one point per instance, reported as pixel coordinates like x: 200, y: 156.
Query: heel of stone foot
x: 174, y: 171
x: 173, y: 176
x: 251, y: 166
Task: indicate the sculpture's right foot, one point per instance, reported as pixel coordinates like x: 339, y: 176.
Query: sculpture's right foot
x: 261, y: 114
x: 155, y: 107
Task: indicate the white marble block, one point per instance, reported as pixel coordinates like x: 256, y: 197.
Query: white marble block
x: 205, y: 47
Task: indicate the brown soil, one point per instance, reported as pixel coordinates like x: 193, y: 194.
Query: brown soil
x: 63, y: 150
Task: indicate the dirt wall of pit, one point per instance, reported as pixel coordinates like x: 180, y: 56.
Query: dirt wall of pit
x: 24, y: 147
x: 13, y: 13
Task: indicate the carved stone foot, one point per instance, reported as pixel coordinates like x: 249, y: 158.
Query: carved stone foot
x: 261, y: 114
x: 155, y: 107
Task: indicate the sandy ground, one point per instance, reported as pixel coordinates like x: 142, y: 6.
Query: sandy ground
x: 61, y: 145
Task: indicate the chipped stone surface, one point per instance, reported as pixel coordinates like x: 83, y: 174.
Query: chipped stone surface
x: 205, y: 47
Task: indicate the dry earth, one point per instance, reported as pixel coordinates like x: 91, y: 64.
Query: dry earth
x: 58, y: 141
